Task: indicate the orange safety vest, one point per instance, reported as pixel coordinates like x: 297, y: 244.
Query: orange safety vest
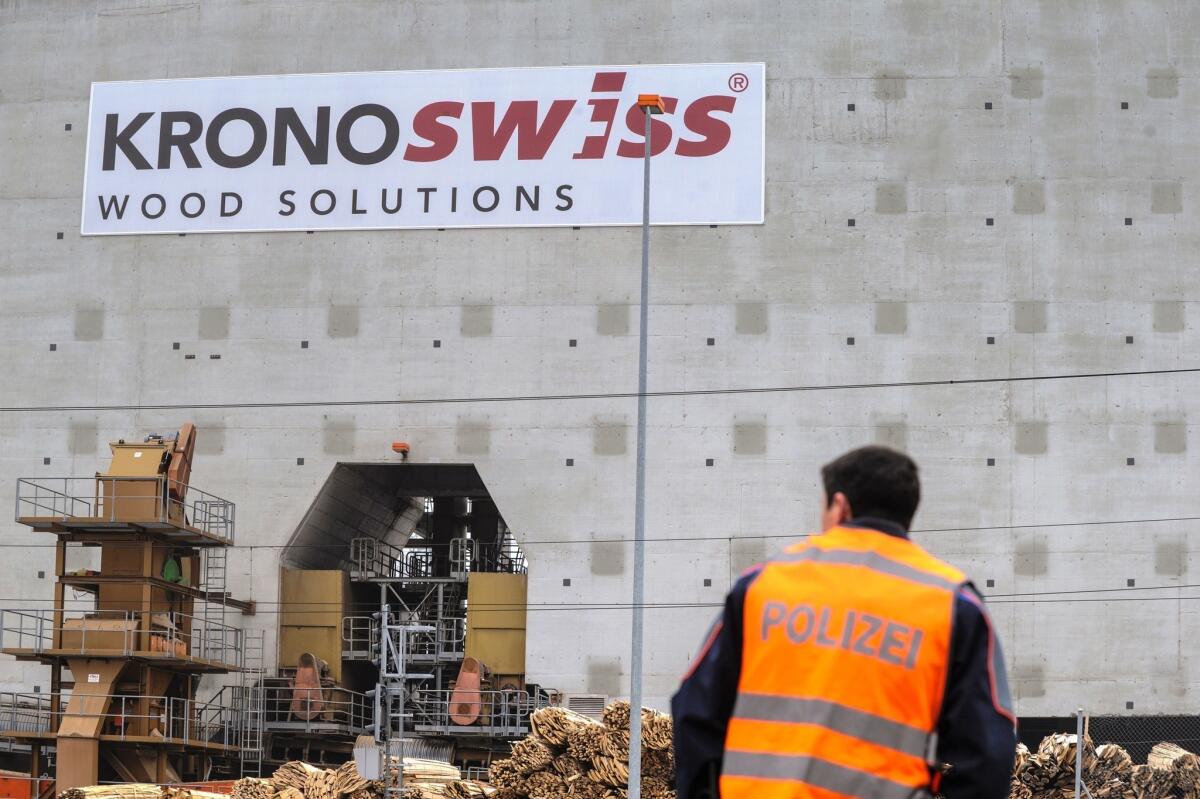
x: 846, y: 646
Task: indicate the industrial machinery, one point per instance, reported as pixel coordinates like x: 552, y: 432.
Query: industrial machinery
x: 148, y: 549
x: 423, y: 626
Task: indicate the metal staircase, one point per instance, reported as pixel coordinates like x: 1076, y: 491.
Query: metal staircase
x: 395, y: 680
x: 251, y: 695
x: 212, y: 586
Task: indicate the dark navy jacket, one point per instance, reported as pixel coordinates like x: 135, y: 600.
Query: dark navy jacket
x: 976, y: 732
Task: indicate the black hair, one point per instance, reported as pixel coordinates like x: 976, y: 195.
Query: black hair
x: 877, y: 481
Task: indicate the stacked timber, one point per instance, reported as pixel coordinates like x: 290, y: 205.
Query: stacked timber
x: 137, y: 790
x: 294, y: 774
x: 129, y: 791
x: 469, y: 789
x: 423, y: 779
x: 298, y: 780
x: 570, y: 755
x: 1170, y: 772
x: 253, y: 788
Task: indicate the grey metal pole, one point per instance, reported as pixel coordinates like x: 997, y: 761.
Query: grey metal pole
x: 639, y: 517
x: 1078, y: 753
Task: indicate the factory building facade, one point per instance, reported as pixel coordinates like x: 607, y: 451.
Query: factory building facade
x: 974, y: 245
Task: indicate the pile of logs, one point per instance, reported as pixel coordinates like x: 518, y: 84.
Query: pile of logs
x: 1108, y: 771
x: 423, y: 779
x: 253, y: 788
x: 569, y: 755
x: 129, y: 791
x: 137, y: 790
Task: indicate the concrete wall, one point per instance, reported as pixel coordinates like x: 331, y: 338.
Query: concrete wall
x: 922, y: 287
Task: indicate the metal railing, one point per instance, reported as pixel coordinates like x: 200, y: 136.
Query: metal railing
x: 501, y: 713
x: 107, y: 500
x: 360, y: 638
x: 372, y: 558
x: 186, y: 721
x: 447, y: 641
x: 326, y: 709
x: 503, y: 557
x: 24, y: 712
x: 158, y: 633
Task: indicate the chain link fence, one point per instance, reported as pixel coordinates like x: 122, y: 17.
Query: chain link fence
x: 1125, y: 757
x: 1138, y: 734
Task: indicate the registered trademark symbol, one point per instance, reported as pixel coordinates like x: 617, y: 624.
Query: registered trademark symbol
x: 738, y: 82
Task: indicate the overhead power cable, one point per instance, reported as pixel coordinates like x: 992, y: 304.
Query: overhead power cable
x: 615, y: 606
x: 1050, y: 596
x: 711, y: 392
x: 526, y: 545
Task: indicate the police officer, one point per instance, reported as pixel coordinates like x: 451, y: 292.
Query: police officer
x: 850, y: 666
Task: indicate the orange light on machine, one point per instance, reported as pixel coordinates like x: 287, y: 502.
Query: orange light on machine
x: 652, y: 103
x: 400, y: 448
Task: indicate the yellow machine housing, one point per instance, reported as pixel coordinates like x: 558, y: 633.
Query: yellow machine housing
x: 496, y: 624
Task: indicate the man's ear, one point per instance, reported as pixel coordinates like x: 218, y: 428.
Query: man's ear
x: 845, y: 512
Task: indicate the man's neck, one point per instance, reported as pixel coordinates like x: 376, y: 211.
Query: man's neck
x: 874, y: 523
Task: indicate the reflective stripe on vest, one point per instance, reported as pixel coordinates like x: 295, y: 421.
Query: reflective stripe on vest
x: 817, y: 773
x: 871, y: 560
x: 866, y: 726
x: 845, y: 651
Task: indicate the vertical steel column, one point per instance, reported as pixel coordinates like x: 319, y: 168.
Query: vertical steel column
x: 1078, y: 753
x: 381, y: 695
x: 639, y: 523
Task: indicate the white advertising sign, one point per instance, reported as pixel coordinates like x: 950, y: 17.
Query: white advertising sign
x: 439, y: 149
